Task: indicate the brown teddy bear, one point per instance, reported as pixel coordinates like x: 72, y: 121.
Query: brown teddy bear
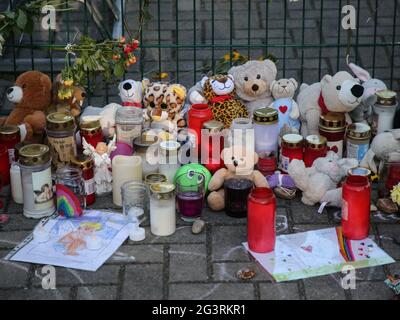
x: 239, y: 164
x: 32, y: 96
x: 67, y: 98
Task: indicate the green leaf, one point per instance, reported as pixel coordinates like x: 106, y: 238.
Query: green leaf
x: 9, y: 14
x: 21, y: 20
x: 29, y: 26
x: 119, y: 70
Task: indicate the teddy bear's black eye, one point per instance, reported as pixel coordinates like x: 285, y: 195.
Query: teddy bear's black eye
x: 152, y: 105
x: 258, y: 76
x: 338, y: 88
x: 164, y: 106
x: 233, y: 158
x: 246, y: 78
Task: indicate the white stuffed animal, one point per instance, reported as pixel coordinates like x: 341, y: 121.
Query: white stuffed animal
x: 371, y: 86
x: 131, y: 93
x: 339, y: 93
x: 283, y: 91
x: 323, y: 177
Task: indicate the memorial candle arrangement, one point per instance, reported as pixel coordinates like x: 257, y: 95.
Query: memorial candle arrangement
x: 190, y: 193
x: 162, y: 209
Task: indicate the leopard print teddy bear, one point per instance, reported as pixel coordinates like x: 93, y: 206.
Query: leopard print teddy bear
x: 219, y: 90
x: 163, y: 103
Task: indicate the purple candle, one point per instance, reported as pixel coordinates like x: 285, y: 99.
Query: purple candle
x: 190, y: 205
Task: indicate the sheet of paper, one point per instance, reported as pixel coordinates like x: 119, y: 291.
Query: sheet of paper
x: 67, y: 247
x: 318, y: 252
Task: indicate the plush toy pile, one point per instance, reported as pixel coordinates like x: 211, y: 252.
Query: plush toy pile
x: 311, y: 130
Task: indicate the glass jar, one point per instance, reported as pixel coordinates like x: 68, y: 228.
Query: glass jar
x: 291, y: 148
x: 212, y: 146
x: 4, y: 165
x: 168, y: 158
x: 70, y: 192
x: 190, y: 194
x: 134, y: 200
x: 86, y: 165
x: 267, y: 163
x: 162, y: 209
x: 198, y: 114
x: 9, y: 136
x: 315, y: 147
x: 356, y: 204
x: 241, y: 133
x: 128, y: 121
x: 16, y: 183
x: 332, y: 126
x: 261, y: 207
x: 389, y: 174
x: 147, y: 149
x: 358, y: 139
x: 236, y: 191
x: 384, y: 111
x: 35, y: 163
x: 266, y: 129
x: 92, y: 132
x: 60, y: 129
x: 154, y: 178
x: 18, y: 147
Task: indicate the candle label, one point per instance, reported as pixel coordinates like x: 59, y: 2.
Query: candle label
x: 337, y: 147
x: 42, y: 190
x: 284, y: 163
x: 356, y: 151
x: 11, y: 155
x: 345, y: 210
x: 62, y: 150
x: 90, y: 186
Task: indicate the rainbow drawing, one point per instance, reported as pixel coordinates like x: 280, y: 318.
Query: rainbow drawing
x: 67, y: 202
x: 345, y: 246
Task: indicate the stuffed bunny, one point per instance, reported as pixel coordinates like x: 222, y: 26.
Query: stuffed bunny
x: 371, y: 86
x: 324, y: 176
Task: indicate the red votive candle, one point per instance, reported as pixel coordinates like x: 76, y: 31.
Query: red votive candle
x: 267, y: 164
x: 198, y: 114
x: 315, y: 147
x: 291, y: 148
x: 92, y: 132
x: 4, y: 166
x: 85, y: 164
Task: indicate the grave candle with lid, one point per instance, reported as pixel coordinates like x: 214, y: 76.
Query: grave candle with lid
x: 92, y: 132
x: 358, y: 138
x: 212, y: 146
x: 291, y: 148
x: 162, y: 209
x: 332, y: 126
x: 129, y: 121
x: 10, y: 136
x: 198, y: 114
x: 86, y: 165
x: 384, y: 111
x: 266, y: 129
x: 315, y: 147
x: 168, y: 158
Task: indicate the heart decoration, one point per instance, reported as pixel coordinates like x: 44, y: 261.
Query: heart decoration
x: 334, y: 149
x: 283, y: 109
x: 308, y: 249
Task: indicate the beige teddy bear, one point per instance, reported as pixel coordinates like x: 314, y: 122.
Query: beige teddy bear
x: 239, y: 163
x: 319, y: 183
x: 339, y: 93
x: 283, y: 91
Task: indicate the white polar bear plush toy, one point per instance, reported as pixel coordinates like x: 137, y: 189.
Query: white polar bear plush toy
x: 131, y: 93
x: 339, y: 93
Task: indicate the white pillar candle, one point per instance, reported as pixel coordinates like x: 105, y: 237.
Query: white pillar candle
x: 162, y: 209
x: 16, y: 183
x: 169, y: 159
x: 124, y: 168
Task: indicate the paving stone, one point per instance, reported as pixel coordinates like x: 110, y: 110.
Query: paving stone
x: 9, y: 239
x: 227, y: 243
x: 187, y: 263
x: 17, y: 274
x: 34, y: 294
x: 97, y: 293
x: 183, y: 234
x: 19, y: 222
x: 138, y: 253
x: 371, y: 290
x: 389, y: 235
x: 279, y: 291
x: 324, y: 288
x: 227, y: 271
x: 307, y: 214
x: 212, y: 291
x: 373, y: 273
x: 143, y: 282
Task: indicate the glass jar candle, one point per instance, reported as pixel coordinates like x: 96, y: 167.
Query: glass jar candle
x: 128, y: 121
x: 60, y: 129
x: 168, y: 158
x: 70, y: 192
x: 18, y: 147
x: 261, y: 207
x: 147, y: 149
x: 267, y: 163
x: 236, y: 191
x: 4, y: 165
x: 212, y: 146
x: 9, y: 136
x: 35, y: 163
x: 358, y: 139
x: 134, y: 200
x: 332, y: 126
x: 266, y: 129
x: 92, y: 132
x: 86, y: 165
x: 356, y: 202
x: 198, y: 114
x: 384, y: 111
x: 360, y: 171
x: 389, y: 175
x: 315, y: 147
x: 190, y: 194
x: 162, y: 209
x: 154, y: 178
x: 291, y: 148
x: 241, y: 133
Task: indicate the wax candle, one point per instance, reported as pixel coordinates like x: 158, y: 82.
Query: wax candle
x: 266, y: 129
x: 332, y: 126
x: 10, y: 136
x: 4, y: 166
x: 358, y: 138
x: 384, y: 111
x: 236, y: 191
x: 162, y: 209
x: 292, y: 148
x: 16, y: 183
x: 198, y: 114
x: 315, y: 147
x: 124, y: 169
x: 168, y: 159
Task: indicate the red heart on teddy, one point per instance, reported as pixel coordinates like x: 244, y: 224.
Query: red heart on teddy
x: 283, y: 109
x: 334, y: 149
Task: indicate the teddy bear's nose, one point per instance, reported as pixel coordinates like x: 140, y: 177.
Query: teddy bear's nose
x: 9, y: 90
x: 357, y: 91
x: 254, y: 87
x: 235, y: 163
x: 127, y: 86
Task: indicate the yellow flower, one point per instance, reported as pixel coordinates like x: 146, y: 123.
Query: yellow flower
x: 395, y: 194
x: 235, y: 56
x: 163, y: 75
x: 68, y: 82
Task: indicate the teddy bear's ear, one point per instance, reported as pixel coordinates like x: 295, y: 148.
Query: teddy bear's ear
x: 294, y: 82
x: 203, y: 81
x: 271, y: 66
x: 326, y: 79
x: 45, y: 80
x: 273, y: 83
x: 361, y: 74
